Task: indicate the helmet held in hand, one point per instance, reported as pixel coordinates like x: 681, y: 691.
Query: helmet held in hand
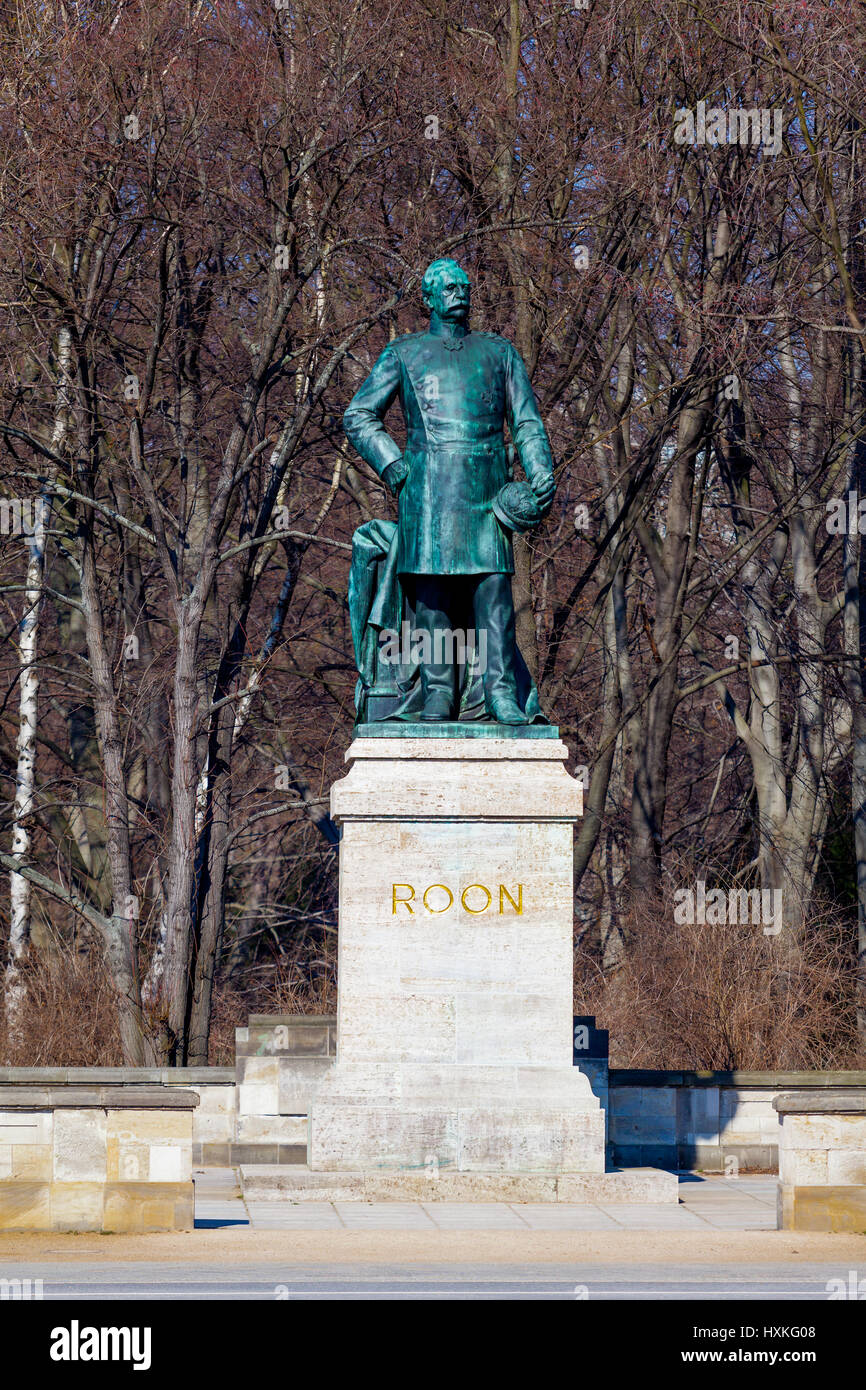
x: 518, y: 508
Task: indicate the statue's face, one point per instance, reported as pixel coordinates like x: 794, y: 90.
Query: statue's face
x: 449, y: 297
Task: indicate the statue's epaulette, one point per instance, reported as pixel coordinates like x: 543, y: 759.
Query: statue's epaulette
x: 405, y: 338
x: 494, y: 337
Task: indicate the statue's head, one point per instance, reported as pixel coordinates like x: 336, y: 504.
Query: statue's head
x: 445, y: 290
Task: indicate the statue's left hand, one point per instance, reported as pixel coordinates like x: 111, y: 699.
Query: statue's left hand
x: 395, y: 475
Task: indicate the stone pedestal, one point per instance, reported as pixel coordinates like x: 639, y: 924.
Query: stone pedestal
x: 454, y: 1039
x: 822, y: 1160
x: 96, y: 1158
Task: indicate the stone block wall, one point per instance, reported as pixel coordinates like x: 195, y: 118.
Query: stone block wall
x: 704, y: 1121
x: 96, y: 1158
x: 280, y: 1059
x: 254, y: 1112
x: 214, y: 1119
x: 822, y: 1160
x: 257, y: 1111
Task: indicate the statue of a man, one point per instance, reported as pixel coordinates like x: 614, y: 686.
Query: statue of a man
x: 457, y: 506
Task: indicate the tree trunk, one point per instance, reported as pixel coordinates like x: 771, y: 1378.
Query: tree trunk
x: 855, y: 649
x: 25, y: 776
x: 180, y: 859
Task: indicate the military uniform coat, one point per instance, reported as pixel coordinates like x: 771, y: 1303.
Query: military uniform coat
x: 456, y: 393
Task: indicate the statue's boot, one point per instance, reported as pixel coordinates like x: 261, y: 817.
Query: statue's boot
x: 496, y: 645
x: 505, y: 709
x: 438, y: 682
x: 437, y: 708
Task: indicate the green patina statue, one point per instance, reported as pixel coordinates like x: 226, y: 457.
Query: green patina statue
x: 430, y: 599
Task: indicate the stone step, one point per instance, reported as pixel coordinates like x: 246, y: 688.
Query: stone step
x: 299, y: 1183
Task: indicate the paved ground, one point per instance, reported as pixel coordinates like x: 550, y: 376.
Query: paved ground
x: 733, y: 1204
x: 574, y: 1281
x: 720, y: 1243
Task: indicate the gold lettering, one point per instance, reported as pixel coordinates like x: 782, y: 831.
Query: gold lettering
x: 449, y: 903
x: 405, y: 901
x: 403, y: 894
x: 476, y: 910
x: 504, y: 893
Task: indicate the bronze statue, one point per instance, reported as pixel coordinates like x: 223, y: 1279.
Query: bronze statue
x: 449, y: 559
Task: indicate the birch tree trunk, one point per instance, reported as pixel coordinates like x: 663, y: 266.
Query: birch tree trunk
x: 25, y: 777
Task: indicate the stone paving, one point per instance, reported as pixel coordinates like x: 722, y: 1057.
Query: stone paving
x: 727, y: 1204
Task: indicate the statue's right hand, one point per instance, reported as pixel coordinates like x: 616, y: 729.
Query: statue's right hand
x: 544, y: 491
x: 395, y: 475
